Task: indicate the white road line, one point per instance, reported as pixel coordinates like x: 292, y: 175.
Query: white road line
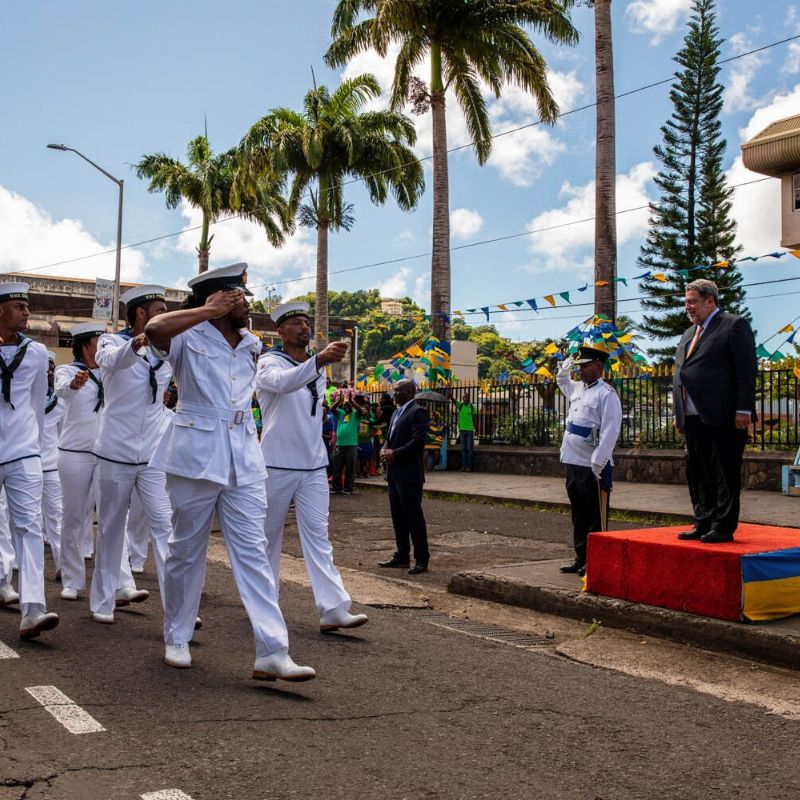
x: 166, y: 794
x: 70, y: 715
x: 7, y: 652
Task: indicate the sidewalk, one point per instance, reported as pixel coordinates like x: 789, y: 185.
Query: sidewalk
x: 539, y: 585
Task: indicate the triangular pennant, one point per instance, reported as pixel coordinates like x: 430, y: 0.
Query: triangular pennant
x: 532, y: 304
x: 565, y: 295
x: 550, y: 299
x: 502, y: 307
x: 485, y: 310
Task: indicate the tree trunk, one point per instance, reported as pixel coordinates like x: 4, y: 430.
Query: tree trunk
x: 321, y: 299
x: 605, y: 223
x: 202, y: 258
x: 440, y: 259
x: 203, y: 249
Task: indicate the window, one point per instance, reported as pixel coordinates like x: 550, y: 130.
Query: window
x: 796, y: 191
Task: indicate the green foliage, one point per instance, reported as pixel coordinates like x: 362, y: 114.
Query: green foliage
x: 534, y: 427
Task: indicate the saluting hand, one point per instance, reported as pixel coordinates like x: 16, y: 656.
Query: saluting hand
x: 139, y: 342
x: 223, y: 302
x: 335, y: 351
x: 79, y: 380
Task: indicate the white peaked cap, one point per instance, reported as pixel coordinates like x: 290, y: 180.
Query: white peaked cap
x: 87, y: 329
x: 142, y: 294
x: 286, y: 311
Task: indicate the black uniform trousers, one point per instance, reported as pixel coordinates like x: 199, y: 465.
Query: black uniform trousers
x: 405, y: 504
x: 584, y: 501
x: 714, y: 473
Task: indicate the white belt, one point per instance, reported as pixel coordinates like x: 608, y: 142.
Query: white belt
x: 225, y: 414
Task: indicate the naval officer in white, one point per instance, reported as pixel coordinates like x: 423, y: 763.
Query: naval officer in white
x: 213, y: 463
x: 290, y: 387
x: 51, y: 486
x: 130, y: 428
x: 23, y: 389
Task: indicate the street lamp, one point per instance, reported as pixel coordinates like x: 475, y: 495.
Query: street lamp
x: 120, y: 184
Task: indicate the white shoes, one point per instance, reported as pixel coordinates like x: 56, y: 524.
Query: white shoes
x: 280, y: 665
x: 31, y: 626
x: 339, y: 618
x: 130, y: 594
x: 137, y: 570
x: 178, y: 656
x: 8, y: 595
x: 68, y: 593
x: 103, y: 619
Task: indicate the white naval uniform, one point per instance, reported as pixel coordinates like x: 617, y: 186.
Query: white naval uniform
x: 296, y: 461
x: 213, y: 463
x: 8, y: 558
x: 596, y: 407
x: 76, y: 469
x: 127, y: 434
x: 21, y: 430
x: 51, y: 485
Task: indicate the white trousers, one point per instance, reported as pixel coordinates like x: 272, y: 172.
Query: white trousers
x: 311, y: 499
x: 76, y: 472
x: 115, y: 484
x: 138, y: 531
x: 23, y: 484
x: 240, y: 511
x: 7, y: 555
x: 51, y: 513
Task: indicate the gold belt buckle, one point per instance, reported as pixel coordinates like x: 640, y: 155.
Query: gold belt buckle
x: 238, y: 418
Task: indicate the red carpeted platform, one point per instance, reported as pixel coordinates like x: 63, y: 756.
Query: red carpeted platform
x: 652, y: 566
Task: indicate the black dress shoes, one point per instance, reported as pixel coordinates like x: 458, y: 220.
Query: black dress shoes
x: 692, y: 535
x: 574, y: 568
x: 395, y: 562
x: 716, y: 537
x: 418, y: 569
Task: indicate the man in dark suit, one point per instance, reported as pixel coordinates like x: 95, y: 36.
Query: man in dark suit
x: 403, y: 455
x: 714, y: 395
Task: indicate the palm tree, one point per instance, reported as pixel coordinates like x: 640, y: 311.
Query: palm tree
x: 206, y: 183
x: 468, y: 41
x: 329, y: 141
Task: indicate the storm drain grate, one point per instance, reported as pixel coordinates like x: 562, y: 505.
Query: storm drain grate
x: 482, y: 630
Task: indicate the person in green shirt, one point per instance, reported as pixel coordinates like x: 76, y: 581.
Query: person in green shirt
x: 466, y: 430
x: 348, y: 413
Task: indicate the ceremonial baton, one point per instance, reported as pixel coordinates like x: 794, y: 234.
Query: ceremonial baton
x: 603, y: 496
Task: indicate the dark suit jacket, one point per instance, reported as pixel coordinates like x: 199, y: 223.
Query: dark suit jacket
x: 407, y: 442
x: 720, y: 374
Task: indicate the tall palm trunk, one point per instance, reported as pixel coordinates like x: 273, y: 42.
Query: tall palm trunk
x: 204, y: 249
x: 605, y: 224
x: 321, y: 300
x: 440, y: 259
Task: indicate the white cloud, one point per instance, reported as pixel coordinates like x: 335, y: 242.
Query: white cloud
x: 656, y: 17
x: 422, y: 291
x: 792, y: 64
x: 464, y: 223
x: 572, y: 244
x: 741, y: 75
x: 395, y: 287
x: 30, y: 238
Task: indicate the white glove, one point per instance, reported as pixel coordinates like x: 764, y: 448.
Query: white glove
x: 597, y: 469
x: 565, y: 365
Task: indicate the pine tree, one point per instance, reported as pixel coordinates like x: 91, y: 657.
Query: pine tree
x: 691, y: 223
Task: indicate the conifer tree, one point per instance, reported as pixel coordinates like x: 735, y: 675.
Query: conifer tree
x: 691, y: 223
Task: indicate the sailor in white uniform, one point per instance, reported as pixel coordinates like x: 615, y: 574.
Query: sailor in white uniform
x: 80, y: 389
x: 8, y: 561
x: 592, y: 429
x: 51, y: 486
x: 290, y: 387
x: 129, y: 429
x: 23, y: 389
x: 213, y: 463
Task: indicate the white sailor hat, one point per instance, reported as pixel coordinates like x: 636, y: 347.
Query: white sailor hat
x: 137, y: 295
x: 233, y: 276
x: 87, y: 329
x: 286, y: 311
x: 13, y: 291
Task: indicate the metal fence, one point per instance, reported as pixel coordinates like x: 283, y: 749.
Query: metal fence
x: 533, y: 411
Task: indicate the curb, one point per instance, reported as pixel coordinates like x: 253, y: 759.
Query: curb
x: 740, y: 639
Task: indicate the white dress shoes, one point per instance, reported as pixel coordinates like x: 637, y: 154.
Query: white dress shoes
x: 178, y: 656
x: 137, y: 569
x: 280, y: 665
x: 8, y: 595
x: 68, y: 593
x: 130, y: 594
x: 339, y: 618
x: 103, y: 619
x: 31, y: 626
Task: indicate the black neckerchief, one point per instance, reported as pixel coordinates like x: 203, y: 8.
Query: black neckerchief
x: 101, y: 398
x: 7, y: 370
x: 52, y: 401
x: 126, y: 334
x: 312, y: 386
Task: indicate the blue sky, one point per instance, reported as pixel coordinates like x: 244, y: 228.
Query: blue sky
x: 120, y: 80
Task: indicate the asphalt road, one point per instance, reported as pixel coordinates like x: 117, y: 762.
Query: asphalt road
x: 401, y: 708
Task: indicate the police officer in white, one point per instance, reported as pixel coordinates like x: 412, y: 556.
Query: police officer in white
x: 23, y: 389
x: 592, y: 429
x: 213, y: 463
x: 51, y: 487
x: 290, y: 386
x: 130, y: 428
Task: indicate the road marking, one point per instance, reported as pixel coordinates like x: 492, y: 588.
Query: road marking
x: 7, y: 652
x: 70, y: 715
x: 166, y: 794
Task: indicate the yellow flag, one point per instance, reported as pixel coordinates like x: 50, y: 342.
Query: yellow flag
x: 544, y: 372
x: 551, y: 348
x: 786, y: 329
x: 797, y: 372
x: 615, y: 367
x: 502, y: 307
x: 722, y: 264
x: 625, y: 339
x: 601, y: 283
x: 795, y: 253
x: 550, y: 299
x: 659, y: 276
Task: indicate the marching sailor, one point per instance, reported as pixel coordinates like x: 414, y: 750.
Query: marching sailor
x: 80, y: 389
x: 130, y: 427
x: 592, y: 428
x: 23, y: 389
x: 290, y: 386
x: 213, y: 463
x: 51, y: 486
